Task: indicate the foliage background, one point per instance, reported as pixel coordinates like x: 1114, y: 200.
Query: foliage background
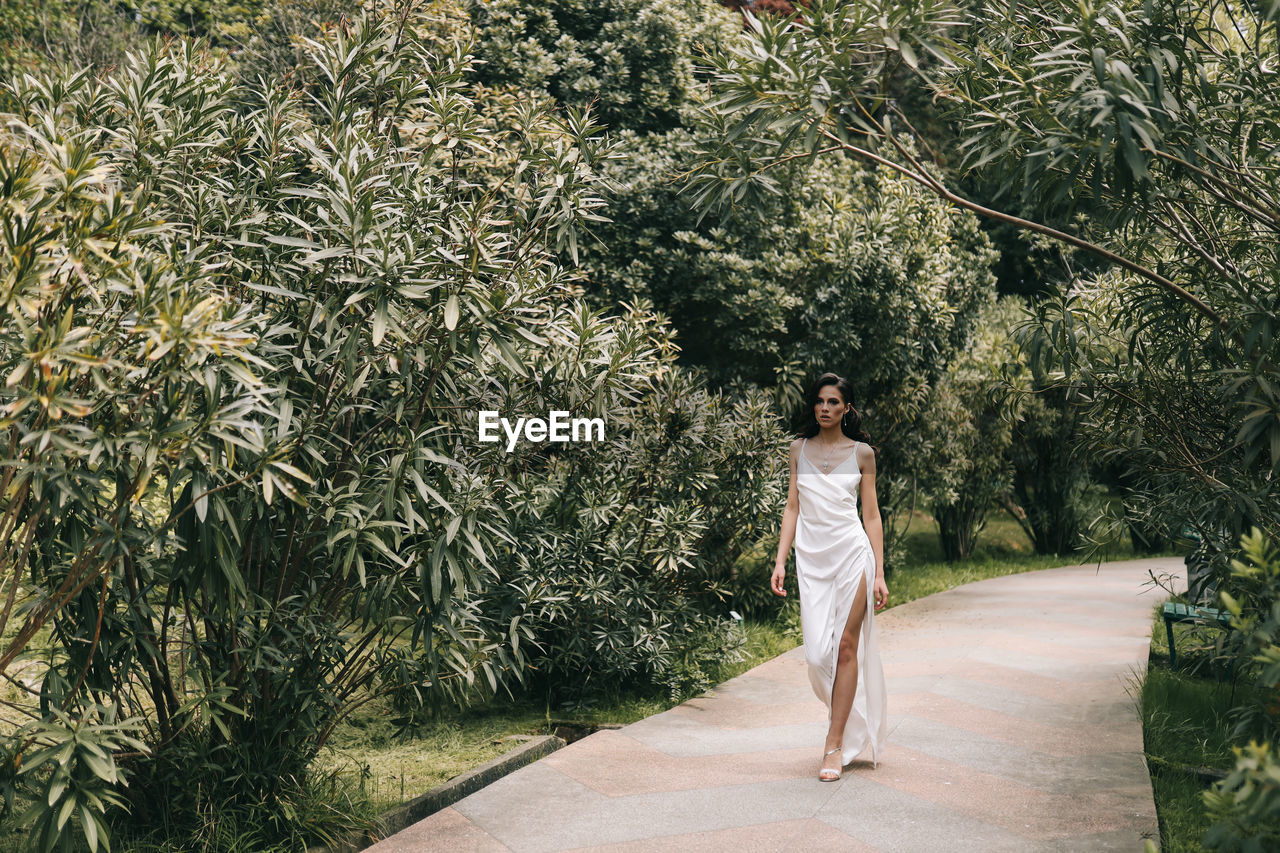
x: 265, y: 261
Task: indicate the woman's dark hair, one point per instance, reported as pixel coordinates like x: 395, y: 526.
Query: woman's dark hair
x: 850, y: 425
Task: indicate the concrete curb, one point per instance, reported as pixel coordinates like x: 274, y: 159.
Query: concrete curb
x: 443, y: 796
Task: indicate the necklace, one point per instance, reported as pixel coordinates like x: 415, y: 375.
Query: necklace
x: 827, y: 460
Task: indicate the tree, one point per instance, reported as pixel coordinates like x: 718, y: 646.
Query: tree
x: 967, y: 434
x: 227, y: 467
x: 1133, y: 108
x: 1050, y: 474
x: 1181, y: 376
x: 731, y: 289
x: 632, y: 60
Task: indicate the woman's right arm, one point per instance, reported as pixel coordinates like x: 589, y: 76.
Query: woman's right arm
x: 788, y: 535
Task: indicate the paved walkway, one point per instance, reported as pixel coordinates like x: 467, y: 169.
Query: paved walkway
x: 1012, y: 728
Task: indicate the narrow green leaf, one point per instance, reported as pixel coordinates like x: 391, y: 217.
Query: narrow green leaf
x: 451, y: 312
x: 89, y: 823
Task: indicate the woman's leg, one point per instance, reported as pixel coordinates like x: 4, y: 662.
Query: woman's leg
x: 846, y: 681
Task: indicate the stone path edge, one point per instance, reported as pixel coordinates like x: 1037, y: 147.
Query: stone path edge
x: 445, y: 795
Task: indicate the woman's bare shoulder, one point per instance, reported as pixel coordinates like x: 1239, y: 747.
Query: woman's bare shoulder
x: 866, y: 455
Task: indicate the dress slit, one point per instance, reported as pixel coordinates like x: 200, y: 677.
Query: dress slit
x: 859, y: 689
x: 861, y: 629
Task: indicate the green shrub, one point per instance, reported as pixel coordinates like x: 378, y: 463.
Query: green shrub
x: 1252, y: 596
x: 243, y: 320
x: 68, y: 768
x: 1246, y: 805
x: 628, y: 552
x: 633, y: 59
x: 83, y: 33
x: 252, y: 324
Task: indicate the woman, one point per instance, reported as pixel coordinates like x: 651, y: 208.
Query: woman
x: 839, y: 569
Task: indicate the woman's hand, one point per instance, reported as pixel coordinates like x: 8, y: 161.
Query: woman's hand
x: 881, y: 592
x: 775, y: 582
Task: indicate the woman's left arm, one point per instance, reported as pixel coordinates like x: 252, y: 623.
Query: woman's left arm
x: 871, y: 518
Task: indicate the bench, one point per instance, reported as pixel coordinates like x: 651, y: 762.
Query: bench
x: 1178, y: 612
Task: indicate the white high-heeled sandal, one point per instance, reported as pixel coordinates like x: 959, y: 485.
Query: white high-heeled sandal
x: 822, y: 774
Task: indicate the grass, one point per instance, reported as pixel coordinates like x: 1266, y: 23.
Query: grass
x: 1002, y: 549
x: 1185, y: 728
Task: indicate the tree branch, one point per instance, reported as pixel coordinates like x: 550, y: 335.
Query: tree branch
x: 942, y: 191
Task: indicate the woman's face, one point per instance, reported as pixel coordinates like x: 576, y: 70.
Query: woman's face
x: 830, y: 407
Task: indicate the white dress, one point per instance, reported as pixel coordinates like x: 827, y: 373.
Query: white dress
x: 833, y: 555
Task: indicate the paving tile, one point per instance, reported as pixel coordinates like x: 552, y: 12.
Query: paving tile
x: 739, y: 711
x: 614, y: 764
x: 896, y: 822
x: 1042, y: 665
x: 791, y: 836
x: 958, y: 788
x: 1072, y: 668
x: 1056, y: 774
x: 763, y: 691
x: 787, y: 667
x: 1117, y: 736
x: 1065, y: 630
x: 529, y: 821
x: 1009, y: 680
x: 1129, y: 841
x: 446, y: 830
x: 911, y: 683
x: 1012, y: 806
x: 1083, y: 646
x: 530, y: 808
x: 1102, y: 649
x: 1011, y: 700
x: 678, y: 735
